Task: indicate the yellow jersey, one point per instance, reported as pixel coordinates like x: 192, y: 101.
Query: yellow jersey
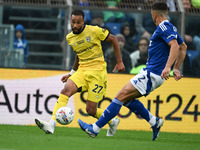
x: 87, y: 46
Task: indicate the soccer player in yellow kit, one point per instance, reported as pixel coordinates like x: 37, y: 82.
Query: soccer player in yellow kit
x: 89, y: 71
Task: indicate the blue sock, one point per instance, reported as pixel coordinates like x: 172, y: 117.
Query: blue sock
x: 138, y: 108
x: 111, y: 111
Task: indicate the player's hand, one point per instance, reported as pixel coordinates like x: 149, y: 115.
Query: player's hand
x: 65, y: 77
x: 120, y: 67
x: 177, y: 75
x: 166, y: 73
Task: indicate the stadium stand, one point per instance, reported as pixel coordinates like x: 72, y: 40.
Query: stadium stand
x: 46, y: 23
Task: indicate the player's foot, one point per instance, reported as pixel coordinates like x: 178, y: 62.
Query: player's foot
x: 45, y: 126
x: 88, y: 128
x: 156, y: 128
x: 113, y: 127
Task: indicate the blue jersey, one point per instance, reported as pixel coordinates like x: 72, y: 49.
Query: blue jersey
x: 159, y: 49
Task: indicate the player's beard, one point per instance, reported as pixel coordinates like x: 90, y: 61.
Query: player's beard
x: 77, y: 31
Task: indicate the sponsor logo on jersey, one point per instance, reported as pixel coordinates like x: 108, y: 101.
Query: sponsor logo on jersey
x: 80, y: 42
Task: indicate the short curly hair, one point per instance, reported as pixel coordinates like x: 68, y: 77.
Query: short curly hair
x: 78, y: 13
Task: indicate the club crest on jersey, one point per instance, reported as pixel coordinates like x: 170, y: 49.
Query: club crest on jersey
x: 88, y: 38
x: 174, y: 28
x: 103, y: 30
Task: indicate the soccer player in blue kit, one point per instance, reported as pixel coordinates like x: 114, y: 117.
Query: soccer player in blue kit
x: 166, y: 48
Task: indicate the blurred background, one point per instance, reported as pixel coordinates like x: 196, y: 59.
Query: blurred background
x: 32, y: 32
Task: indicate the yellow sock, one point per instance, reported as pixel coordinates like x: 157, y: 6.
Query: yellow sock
x: 99, y: 113
x: 62, y: 101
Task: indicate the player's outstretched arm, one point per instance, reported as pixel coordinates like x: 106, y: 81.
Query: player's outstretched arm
x: 119, y: 66
x: 179, y: 60
x: 75, y: 67
x: 174, y: 50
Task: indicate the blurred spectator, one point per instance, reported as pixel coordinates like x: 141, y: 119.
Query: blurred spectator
x: 171, y: 5
x: 113, y: 16
x: 87, y: 17
x: 84, y: 3
x: 192, y: 37
x: 140, y: 56
x: 130, y: 45
x: 143, y: 21
x: 144, y: 25
x: 20, y: 43
x: 98, y: 19
x: 186, y: 5
x: 191, y: 27
x: 131, y: 21
x: 111, y: 59
x: 196, y: 40
x: 187, y: 37
x: 196, y: 66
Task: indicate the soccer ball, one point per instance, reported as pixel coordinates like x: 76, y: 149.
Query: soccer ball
x: 64, y: 115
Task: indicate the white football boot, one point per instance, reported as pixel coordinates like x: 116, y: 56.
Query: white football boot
x: 113, y: 127
x: 45, y: 126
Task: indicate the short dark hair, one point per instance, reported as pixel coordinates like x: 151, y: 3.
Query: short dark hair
x: 78, y: 13
x: 159, y: 6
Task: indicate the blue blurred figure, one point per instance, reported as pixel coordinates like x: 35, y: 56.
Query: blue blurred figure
x: 20, y: 43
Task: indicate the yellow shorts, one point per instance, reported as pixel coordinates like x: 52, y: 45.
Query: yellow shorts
x: 93, y: 81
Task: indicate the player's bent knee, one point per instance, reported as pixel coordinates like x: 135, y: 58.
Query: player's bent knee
x: 124, y: 96
x: 68, y: 91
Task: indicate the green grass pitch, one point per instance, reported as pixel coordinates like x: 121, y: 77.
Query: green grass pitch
x: 13, y: 137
